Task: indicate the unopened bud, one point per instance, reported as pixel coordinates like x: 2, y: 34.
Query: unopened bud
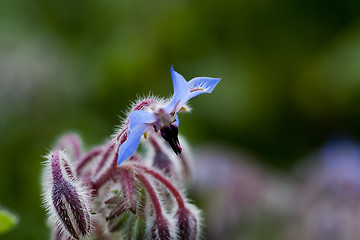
x: 65, y: 197
x: 161, y: 229
x: 187, y: 222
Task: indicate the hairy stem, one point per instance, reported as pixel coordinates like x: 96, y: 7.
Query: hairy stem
x: 152, y: 194
x: 72, y: 141
x: 87, y: 158
x: 104, y: 157
x: 164, y: 181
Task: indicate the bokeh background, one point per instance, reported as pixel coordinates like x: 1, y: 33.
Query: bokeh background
x: 290, y: 78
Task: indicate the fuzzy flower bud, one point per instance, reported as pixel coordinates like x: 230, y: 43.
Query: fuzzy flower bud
x: 188, y: 222
x: 161, y: 229
x: 65, y: 197
x: 141, y: 198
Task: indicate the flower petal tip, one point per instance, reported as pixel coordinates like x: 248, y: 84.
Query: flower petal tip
x: 128, y: 148
x: 203, y: 84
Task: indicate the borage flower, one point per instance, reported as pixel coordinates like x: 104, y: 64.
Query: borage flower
x: 164, y: 118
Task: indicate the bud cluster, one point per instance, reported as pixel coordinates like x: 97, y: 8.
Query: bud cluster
x: 88, y: 195
x: 112, y: 192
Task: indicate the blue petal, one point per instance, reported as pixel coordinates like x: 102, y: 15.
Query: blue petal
x: 128, y: 148
x: 208, y: 84
x: 197, y: 86
x: 181, y: 89
x: 176, y: 120
x: 140, y: 117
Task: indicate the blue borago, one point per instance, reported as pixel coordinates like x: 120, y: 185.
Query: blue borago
x: 98, y: 195
x: 163, y: 116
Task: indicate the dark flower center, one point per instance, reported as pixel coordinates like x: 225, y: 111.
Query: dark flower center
x: 170, y: 134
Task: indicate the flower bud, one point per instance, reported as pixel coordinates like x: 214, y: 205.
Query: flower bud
x: 187, y: 222
x: 161, y: 229
x: 65, y: 197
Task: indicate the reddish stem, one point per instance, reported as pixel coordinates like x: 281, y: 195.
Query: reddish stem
x: 108, y: 173
x: 88, y: 157
x: 100, y: 181
x: 104, y: 157
x: 121, y: 138
x: 114, y: 161
x: 152, y: 195
x: 128, y: 186
x: 140, y: 106
x: 164, y: 181
x: 144, y: 103
x: 123, y: 130
x: 74, y: 142
x: 186, y: 168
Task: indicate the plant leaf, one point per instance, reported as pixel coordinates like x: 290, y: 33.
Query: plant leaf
x: 7, y: 221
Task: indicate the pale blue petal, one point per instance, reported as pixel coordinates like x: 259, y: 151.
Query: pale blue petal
x: 176, y: 120
x: 128, y: 148
x: 208, y: 84
x: 140, y: 117
x: 181, y: 89
x: 198, y: 85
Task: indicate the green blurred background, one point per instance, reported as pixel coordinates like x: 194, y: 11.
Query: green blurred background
x: 290, y: 78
